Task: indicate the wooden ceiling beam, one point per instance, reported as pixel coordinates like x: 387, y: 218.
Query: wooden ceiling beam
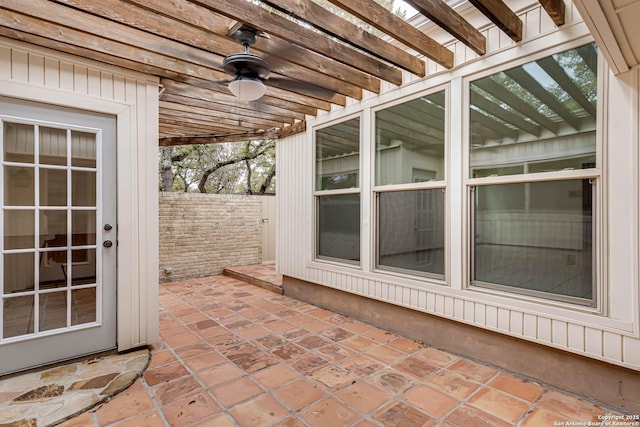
x: 450, y: 21
x: 138, y: 18
x: 214, y: 114
x: 198, y: 128
x: 264, y: 20
x: 230, y: 109
x: 395, y: 120
x: 531, y: 85
x: 216, y: 139
x: 491, y: 123
x: 261, y: 105
x: 32, y: 22
x: 200, y: 17
x: 296, y: 128
x: 496, y: 110
x: 557, y: 73
x: 268, y: 101
x: 332, y: 24
x: 499, y: 92
x: 589, y: 55
x: 555, y: 9
x: 394, y: 26
x: 196, y: 119
x: 502, y: 16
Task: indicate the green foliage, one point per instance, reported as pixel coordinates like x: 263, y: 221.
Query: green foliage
x: 218, y: 168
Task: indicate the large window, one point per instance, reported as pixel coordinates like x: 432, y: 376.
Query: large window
x: 533, y: 176
x: 337, y: 191
x: 409, y: 186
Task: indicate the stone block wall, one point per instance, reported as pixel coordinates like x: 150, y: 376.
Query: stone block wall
x: 200, y: 234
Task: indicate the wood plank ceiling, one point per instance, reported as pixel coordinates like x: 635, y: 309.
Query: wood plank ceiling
x: 184, y: 42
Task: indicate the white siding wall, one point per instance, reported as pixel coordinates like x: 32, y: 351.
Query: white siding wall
x: 610, y: 333
x: 36, y: 74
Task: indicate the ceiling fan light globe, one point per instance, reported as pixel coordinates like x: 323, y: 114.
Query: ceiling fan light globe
x: 247, y: 89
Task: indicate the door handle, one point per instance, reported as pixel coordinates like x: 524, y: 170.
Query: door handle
x: 107, y: 243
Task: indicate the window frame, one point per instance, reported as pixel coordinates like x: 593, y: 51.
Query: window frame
x: 317, y: 194
x: 596, y: 174
x: 376, y: 190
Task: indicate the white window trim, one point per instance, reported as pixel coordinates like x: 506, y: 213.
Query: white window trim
x: 442, y: 184
x: 599, y: 221
x: 316, y: 194
x: 612, y: 319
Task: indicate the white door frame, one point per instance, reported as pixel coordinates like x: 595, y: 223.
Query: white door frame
x: 137, y: 195
x: 40, y: 348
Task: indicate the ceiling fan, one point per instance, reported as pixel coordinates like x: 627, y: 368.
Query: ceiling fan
x: 251, y: 71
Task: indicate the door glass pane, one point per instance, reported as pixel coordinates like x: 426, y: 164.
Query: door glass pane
x: 18, y: 316
x: 541, y: 112
x: 83, y: 149
x: 541, y: 243
x: 83, y: 267
x: 18, y: 272
x: 410, y: 141
x: 339, y: 226
x: 53, y: 187
x: 83, y: 227
x: 83, y: 306
x: 53, y: 229
x: 53, y: 146
x: 338, y: 156
x: 53, y: 269
x: 18, y: 186
x: 53, y: 311
x: 18, y: 142
x: 411, y: 230
x: 83, y: 188
x: 19, y: 231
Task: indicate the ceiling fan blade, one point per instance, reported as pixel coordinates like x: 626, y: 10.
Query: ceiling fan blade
x: 299, y: 86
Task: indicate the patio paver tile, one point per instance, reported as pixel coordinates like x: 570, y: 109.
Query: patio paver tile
x: 236, y: 354
x: 363, y: 397
x: 499, y: 404
x: 149, y: 419
x: 453, y: 384
x: 236, y: 391
x: 133, y: 401
x: 298, y: 394
x: 328, y: 412
x: 399, y: 414
x: 275, y: 376
x: 517, y: 387
x: 570, y: 407
x: 430, y: 400
x: 469, y: 416
x: 260, y: 411
x: 473, y: 370
x: 219, y: 374
x: 190, y: 410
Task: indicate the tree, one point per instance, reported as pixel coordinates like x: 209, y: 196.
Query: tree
x: 219, y: 168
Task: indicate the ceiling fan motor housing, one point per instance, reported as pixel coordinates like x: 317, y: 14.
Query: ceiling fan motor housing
x: 246, y: 65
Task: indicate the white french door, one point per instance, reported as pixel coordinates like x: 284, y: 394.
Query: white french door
x: 58, y: 225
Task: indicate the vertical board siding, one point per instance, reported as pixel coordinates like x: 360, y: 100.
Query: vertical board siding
x: 575, y: 335
x: 51, y: 72
x: 612, y: 345
x: 559, y: 333
x: 32, y: 66
x: 295, y: 253
x: 593, y: 342
x: 631, y: 351
x: 36, y: 69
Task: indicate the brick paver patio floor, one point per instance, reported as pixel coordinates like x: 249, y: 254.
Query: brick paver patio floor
x: 237, y: 354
